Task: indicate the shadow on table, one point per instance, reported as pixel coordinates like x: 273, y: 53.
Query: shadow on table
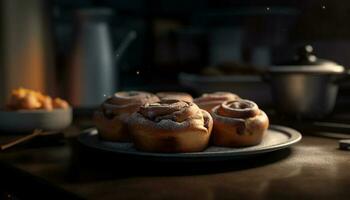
x: 89, y: 164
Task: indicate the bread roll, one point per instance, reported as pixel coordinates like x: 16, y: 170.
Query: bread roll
x: 209, y: 100
x: 238, y: 123
x: 111, y: 118
x: 171, y: 126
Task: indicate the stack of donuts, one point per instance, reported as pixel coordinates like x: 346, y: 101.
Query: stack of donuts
x: 173, y: 122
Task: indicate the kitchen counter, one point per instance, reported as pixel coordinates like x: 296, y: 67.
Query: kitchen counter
x: 313, y: 168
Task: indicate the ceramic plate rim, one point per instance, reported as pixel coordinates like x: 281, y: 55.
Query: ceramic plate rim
x: 294, y: 137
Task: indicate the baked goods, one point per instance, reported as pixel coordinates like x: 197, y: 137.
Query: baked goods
x: 59, y: 103
x: 170, y: 126
x: 27, y: 99
x: 175, y: 95
x: 111, y: 118
x: 210, y: 100
x: 238, y: 123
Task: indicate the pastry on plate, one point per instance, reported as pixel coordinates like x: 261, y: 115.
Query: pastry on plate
x: 209, y: 100
x: 170, y: 126
x: 238, y: 123
x: 111, y: 118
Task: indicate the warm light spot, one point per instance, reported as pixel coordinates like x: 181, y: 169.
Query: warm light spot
x: 137, y: 72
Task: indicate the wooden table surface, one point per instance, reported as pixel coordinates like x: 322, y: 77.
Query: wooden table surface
x: 313, y: 168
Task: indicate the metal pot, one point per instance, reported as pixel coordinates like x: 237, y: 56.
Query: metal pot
x: 306, y: 87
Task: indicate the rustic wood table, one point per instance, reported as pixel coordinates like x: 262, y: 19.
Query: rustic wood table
x: 313, y: 168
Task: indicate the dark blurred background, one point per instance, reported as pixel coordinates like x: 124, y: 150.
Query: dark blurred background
x: 153, y: 42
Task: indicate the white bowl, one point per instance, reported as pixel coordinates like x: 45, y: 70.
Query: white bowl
x: 28, y: 120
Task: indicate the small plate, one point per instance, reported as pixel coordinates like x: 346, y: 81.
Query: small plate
x: 28, y: 120
x: 277, y: 137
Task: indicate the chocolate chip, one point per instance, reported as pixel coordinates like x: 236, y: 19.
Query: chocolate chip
x: 241, y: 128
x: 108, y: 114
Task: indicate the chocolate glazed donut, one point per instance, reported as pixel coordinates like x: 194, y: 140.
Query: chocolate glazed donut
x: 111, y: 118
x: 238, y: 123
x: 171, y: 126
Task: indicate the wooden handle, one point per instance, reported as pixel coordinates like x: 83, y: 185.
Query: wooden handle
x: 35, y: 133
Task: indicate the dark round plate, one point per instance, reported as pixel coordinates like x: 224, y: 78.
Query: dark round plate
x: 277, y: 137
